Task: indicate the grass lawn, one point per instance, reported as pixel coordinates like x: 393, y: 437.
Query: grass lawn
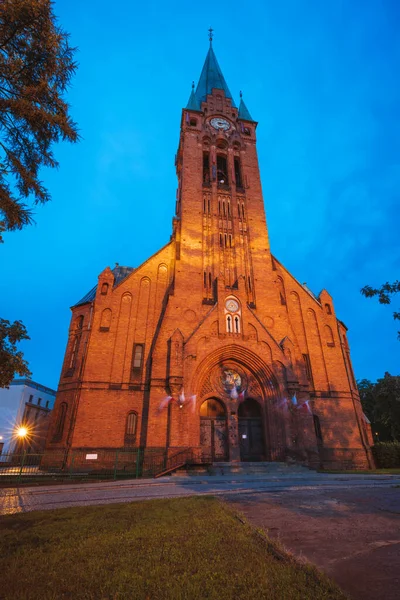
x: 177, y: 549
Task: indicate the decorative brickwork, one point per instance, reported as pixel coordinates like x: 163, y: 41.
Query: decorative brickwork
x: 212, y: 317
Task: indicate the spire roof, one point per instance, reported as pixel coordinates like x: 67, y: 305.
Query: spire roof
x: 243, y: 111
x: 211, y: 77
x: 193, y: 103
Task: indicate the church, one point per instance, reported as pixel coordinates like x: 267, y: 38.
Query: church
x: 211, y: 344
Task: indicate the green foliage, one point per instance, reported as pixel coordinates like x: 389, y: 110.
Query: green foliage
x: 387, y: 455
x: 384, y: 293
x: 381, y: 404
x: 178, y: 549
x: 36, y: 66
x: 11, y: 360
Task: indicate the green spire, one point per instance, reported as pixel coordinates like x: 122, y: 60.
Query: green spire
x: 211, y: 77
x: 193, y: 103
x: 243, y: 110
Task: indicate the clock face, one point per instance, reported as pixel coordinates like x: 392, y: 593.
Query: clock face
x: 231, y: 305
x: 219, y: 123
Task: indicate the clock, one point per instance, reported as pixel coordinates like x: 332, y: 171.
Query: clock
x: 232, y: 305
x: 219, y: 123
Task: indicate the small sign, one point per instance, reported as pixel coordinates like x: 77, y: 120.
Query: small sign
x: 91, y: 456
x: 244, y: 436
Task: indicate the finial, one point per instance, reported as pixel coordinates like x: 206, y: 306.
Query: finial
x: 241, y: 94
x: 192, y: 85
x: 211, y: 32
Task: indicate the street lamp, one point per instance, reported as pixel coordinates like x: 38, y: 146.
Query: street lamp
x: 22, y: 432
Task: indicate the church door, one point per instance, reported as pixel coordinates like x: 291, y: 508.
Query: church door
x: 213, y: 430
x: 251, y: 437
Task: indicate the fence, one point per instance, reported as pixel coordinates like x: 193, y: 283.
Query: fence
x: 88, y: 464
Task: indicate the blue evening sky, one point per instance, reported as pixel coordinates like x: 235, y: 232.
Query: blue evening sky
x: 322, y: 79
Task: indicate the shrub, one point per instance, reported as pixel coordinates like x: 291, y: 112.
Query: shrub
x: 387, y: 455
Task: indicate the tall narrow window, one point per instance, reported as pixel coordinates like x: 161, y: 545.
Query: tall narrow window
x: 307, y: 364
x: 222, y: 171
x: 317, y: 427
x: 79, y: 322
x: 104, y: 289
x: 137, y: 357
x: 219, y: 207
x: 239, y: 210
x: 229, y: 324
x: 238, y: 175
x: 39, y: 402
x: 229, y: 209
x: 206, y: 168
x: 230, y: 241
x: 209, y: 206
x: 226, y: 240
x: 204, y: 205
x: 328, y: 309
x: 329, y: 336
x: 249, y: 280
x: 237, y: 326
x: 243, y: 211
x: 220, y: 240
x: 209, y: 279
x: 74, y: 353
x: 205, y: 279
x: 130, y: 429
x: 224, y: 209
x: 60, y: 421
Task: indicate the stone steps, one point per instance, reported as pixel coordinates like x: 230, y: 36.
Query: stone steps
x: 243, y: 468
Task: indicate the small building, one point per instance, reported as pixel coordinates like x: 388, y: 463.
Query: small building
x: 25, y: 404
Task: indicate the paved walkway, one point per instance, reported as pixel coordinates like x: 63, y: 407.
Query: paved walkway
x: 351, y: 532
x: 24, y: 499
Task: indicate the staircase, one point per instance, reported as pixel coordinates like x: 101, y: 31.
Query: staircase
x: 227, y: 469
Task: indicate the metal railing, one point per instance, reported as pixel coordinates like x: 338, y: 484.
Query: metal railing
x: 88, y: 464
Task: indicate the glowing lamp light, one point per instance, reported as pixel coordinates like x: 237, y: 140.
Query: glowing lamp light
x: 22, y: 432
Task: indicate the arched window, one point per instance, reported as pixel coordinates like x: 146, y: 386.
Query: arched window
x: 329, y: 336
x: 328, y: 309
x: 105, y: 321
x: 224, y: 208
x: 243, y: 210
x: 281, y: 289
x: 221, y: 243
x: 130, y: 429
x: 229, y: 324
x: 137, y: 357
x: 237, y: 323
x: 212, y: 408
x: 104, y: 289
x: 79, y: 322
x: 59, y: 430
x: 209, y: 279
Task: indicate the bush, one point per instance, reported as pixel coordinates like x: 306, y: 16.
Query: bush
x: 387, y: 455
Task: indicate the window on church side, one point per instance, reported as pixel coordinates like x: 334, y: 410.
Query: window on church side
x: 209, y: 279
x: 229, y: 209
x: 226, y: 240
x: 79, y: 322
x: 247, y: 130
x: 75, y: 347
x: 249, y: 281
x: 204, y: 205
x: 206, y: 168
x: 130, y: 429
x: 230, y: 241
x: 209, y: 206
x: 205, y: 279
x: 222, y: 171
x: 328, y: 309
x: 237, y: 324
x: 219, y: 207
x: 193, y: 122
x: 317, y: 427
x: 137, y: 357
x: 224, y: 208
x: 221, y: 243
x: 60, y: 422
x: 307, y: 364
x: 238, y: 175
x: 104, y: 289
x: 239, y: 211
x: 243, y: 211
x: 229, y: 324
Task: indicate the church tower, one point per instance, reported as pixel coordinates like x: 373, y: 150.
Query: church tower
x: 211, y: 344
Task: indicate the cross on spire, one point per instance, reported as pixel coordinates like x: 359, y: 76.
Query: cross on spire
x: 211, y: 32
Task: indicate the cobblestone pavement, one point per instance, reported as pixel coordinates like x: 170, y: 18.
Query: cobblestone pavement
x: 350, y: 532
x: 24, y: 499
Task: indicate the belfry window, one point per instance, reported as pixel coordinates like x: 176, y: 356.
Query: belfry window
x: 104, y: 289
x: 238, y: 175
x: 229, y: 324
x: 222, y: 171
x: 206, y: 168
x: 237, y: 324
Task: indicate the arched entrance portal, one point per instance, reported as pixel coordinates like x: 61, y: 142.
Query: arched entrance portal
x: 251, y: 437
x: 213, y: 430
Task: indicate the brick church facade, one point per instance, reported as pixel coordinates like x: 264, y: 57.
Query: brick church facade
x: 211, y: 344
